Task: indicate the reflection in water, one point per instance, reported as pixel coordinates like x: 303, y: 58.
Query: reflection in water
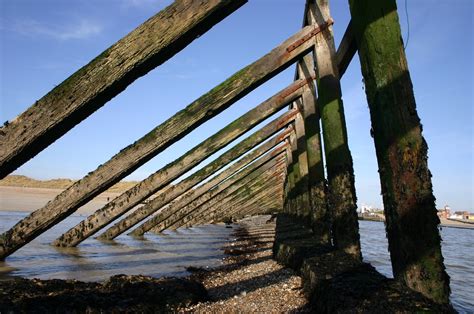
x: 170, y: 253
x: 458, y: 252
x: 154, y: 255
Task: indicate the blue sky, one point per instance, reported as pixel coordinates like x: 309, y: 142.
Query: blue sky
x: 43, y: 42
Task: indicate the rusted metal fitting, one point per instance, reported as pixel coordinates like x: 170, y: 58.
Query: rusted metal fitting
x: 288, y: 118
x: 316, y: 30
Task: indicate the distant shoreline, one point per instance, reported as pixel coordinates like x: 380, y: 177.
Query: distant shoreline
x: 20, y: 181
x: 445, y: 223
x: 27, y: 199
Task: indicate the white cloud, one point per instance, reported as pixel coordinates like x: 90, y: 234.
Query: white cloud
x: 80, y: 30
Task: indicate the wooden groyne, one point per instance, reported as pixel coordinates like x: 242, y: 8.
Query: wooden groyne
x: 278, y: 168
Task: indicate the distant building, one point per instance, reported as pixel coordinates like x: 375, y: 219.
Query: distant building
x: 460, y: 215
x: 445, y: 212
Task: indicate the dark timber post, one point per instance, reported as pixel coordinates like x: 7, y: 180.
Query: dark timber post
x: 158, y: 139
x: 342, y: 197
x: 409, y: 204
x: 316, y: 180
x: 148, y: 46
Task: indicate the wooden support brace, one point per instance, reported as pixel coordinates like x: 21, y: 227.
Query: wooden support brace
x: 170, y: 131
x: 342, y: 196
x: 182, y: 207
x: 254, y: 182
x: 402, y: 152
x: 164, y: 198
x: 173, y: 212
x: 227, y: 189
x: 148, y: 46
x: 134, y: 196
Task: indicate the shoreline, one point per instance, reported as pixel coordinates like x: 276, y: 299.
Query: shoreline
x: 445, y: 223
x: 248, y: 280
x: 26, y: 199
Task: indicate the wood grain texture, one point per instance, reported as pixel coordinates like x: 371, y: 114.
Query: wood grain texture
x: 148, y: 46
x: 134, y: 196
x: 170, y: 131
x: 175, y: 211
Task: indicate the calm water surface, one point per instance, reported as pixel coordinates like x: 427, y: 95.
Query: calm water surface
x: 458, y: 252
x: 156, y: 255
x: 169, y: 255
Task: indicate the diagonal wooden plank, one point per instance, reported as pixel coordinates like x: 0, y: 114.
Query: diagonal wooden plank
x: 170, y: 131
x: 173, y: 211
x: 166, y: 213
x: 127, y: 200
x: 148, y: 46
x: 145, y: 211
x: 227, y: 190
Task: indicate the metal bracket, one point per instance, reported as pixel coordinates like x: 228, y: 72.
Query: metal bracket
x: 314, y: 32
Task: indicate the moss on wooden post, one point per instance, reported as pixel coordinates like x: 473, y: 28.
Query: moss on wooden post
x: 148, y: 46
x: 342, y: 197
x: 154, y: 142
x: 409, y: 204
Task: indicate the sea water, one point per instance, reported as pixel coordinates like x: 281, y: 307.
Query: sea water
x: 458, y: 252
x: 168, y: 254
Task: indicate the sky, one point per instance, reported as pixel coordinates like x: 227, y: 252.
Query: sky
x: 44, y: 42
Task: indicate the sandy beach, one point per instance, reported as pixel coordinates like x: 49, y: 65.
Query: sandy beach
x: 30, y: 199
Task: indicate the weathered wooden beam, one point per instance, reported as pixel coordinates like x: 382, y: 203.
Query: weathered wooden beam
x: 257, y: 202
x: 342, y: 197
x: 207, y: 212
x: 226, y: 190
x: 346, y: 50
x: 245, y: 198
x: 276, y: 196
x: 289, y: 177
x: 134, y: 196
x: 409, y: 204
x: 158, y: 202
x: 319, y: 214
x: 148, y: 46
x: 302, y: 202
x: 173, y: 212
x: 185, y: 205
x: 170, y: 131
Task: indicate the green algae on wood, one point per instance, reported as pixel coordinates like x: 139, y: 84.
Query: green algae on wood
x: 342, y: 197
x: 409, y: 204
x: 85, y: 91
x: 161, y: 137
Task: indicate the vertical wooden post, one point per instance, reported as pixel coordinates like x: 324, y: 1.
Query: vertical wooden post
x: 410, y: 212
x: 316, y: 182
x: 342, y: 197
x: 301, y: 186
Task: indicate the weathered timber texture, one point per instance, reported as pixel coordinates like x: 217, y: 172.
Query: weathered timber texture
x: 342, y: 197
x: 127, y: 200
x: 259, y: 202
x: 239, y: 192
x: 239, y: 198
x: 226, y: 189
x: 180, y: 208
x: 289, y: 183
x: 346, y: 50
x: 173, y: 212
x: 170, y: 131
x: 317, y: 188
x: 154, y: 205
x: 409, y: 204
x: 148, y: 46
x: 302, y: 195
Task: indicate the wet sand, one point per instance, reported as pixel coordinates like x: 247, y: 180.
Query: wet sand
x: 31, y: 199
